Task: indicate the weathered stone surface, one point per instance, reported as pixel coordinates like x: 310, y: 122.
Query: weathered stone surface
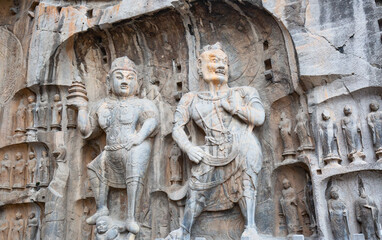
x: 304, y: 57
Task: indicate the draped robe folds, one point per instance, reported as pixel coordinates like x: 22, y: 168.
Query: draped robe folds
x: 232, y: 149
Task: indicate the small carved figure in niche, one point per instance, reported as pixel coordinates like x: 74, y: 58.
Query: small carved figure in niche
x: 338, y: 216
x: 31, y: 111
x: 18, y: 227
x: 56, y: 113
x: 20, y: 118
x: 285, y: 127
x: 175, y: 166
x: 42, y: 112
x: 106, y: 230
x: 288, y: 202
x: 367, y: 214
x: 129, y: 123
x: 329, y: 141
x: 302, y: 131
x: 225, y: 168
x: 309, y: 204
x: 32, y: 165
x: 353, y: 137
x: 86, y: 228
x: 72, y: 118
x: 19, y: 171
x: 44, y: 168
x: 374, y: 120
x: 4, y: 226
x: 6, y: 165
x: 32, y: 227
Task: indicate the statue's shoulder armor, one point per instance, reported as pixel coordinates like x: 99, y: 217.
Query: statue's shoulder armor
x: 187, y: 98
x: 246, y: 91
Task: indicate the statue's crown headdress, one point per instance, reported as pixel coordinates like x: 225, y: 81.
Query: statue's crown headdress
x: 215, y: 46
x: 123, y: 63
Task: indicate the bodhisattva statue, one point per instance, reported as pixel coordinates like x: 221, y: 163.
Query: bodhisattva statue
x: 175, y: 166
x: 4, y: 227
x: 19, y: 171
x: 225, y: 168
x: 32, y: 227
x: 56, y: 113
x: 31, y: 111
x: 42, y: 111
x: 353, y: 137
x: 5, y: 175
x: 367, y: 214
x: 18, y: 227
x: 338, y: 216
x: 302, y: 131
x: 44, y: 169
x: 329, y: 141
x: 374, y: 120
x: 288, y: 202
x: 32, y: 164
x: 20, y: 118
x: 285, y: 127
x: 129, y: 123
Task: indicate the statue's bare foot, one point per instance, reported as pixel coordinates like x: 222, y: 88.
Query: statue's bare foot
x: 250, y: 233
x: 178, y: 234
x: 101, y: 212
x: 132, y: 226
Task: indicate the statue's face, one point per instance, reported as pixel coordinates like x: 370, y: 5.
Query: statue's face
x: 347, y: 110
x: 286, y: 184
x: 374, y: 106
x: 334, y: 195
x: 31, y: 155
x: 102, y: 226
x: 213, y: 65
x: 56, y: 98
x: 18, y: 156
x: 44, y: 153
x: 124, y: 83
x: 31, y: 99
x: 325, y: 115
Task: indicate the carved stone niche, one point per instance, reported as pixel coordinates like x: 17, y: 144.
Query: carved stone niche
x: 349, y: 188
x: 19, y: 118
x: 166, y: 56
x: 293, y: 198
x: 20, y: 221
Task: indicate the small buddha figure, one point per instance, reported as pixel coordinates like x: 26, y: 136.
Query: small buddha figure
x: 5, y: 175
x: 56, y: 113
x: 32, y: 165
x: 19, y: 171
x: 288, y: 202
x: 31, y: 112
x: 303, y: 132
x: 42, y: 111
x: 18, y: 227
x: 106, y: 230
x: 338, y: 216
x: 367, y: 214
x: 175, y: 166
x: 4, y: 228
x: 329, y: 142
x: 32, y: 227
x: 352, y: 133
x: 20, y: 119
x: 285, y: 128
x: 44, y: 169
x: 374, y: 120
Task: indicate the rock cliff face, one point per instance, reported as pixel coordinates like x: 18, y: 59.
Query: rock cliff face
x: 304, y: 79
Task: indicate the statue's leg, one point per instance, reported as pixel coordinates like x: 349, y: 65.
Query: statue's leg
x: 248, y: 208
x: 194, y: 207
x: 134, y: 193
x: 100, y: 191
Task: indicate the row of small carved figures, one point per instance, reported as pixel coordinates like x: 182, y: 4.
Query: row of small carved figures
x: 328, y: 135
x: 366, y: 212
x: 19, y: 174
x: 352, y: 134
x: 20, y: 228
x: 33, y: 116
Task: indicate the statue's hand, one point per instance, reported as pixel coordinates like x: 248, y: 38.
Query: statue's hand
x: 77, y: 102
x: 230, y: 104
x: 195, y: 154
x: 135, y: 140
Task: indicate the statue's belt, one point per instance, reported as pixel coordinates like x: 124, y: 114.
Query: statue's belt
x: 219, y: 161
x: 115, y: 147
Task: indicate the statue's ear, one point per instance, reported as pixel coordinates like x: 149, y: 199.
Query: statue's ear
x: 199, y: 65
